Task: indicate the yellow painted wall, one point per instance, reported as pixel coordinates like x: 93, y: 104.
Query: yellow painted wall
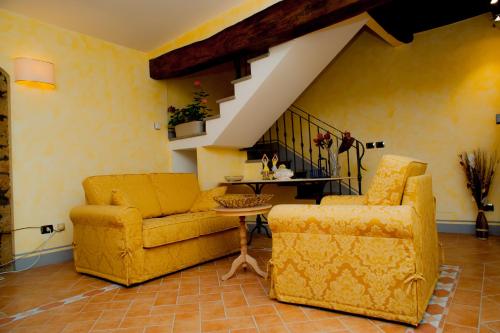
x: 99, y: 120
x: 431, y: 99
x: 215, y: 163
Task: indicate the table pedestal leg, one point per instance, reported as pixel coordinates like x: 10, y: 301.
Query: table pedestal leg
x: 243, y: 259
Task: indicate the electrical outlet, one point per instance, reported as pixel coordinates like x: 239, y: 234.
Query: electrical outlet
x: 47, y: 229
x: 60, y: 227
x: 370, y: 145
x: 380, y: 144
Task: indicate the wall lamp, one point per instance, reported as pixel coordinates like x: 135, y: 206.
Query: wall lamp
x: 34, y: 73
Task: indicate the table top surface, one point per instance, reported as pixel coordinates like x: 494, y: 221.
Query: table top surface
x: 292, y: 180
x: 248, y: 211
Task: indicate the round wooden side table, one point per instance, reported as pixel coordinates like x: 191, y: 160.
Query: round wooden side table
x: 244, y: 258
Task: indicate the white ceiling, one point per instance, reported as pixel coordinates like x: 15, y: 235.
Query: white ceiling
x: 139, y: 24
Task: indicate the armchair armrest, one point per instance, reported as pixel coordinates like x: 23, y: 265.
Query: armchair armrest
x: 344, y: 200
x: 105, y: 216
x: 352, y: 220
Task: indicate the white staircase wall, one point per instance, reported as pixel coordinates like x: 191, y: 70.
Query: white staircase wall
x: 277, y: 80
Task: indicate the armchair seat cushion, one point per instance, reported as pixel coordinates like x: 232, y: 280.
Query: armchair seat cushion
x: 180, y: 227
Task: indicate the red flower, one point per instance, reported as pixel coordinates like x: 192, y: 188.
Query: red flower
x: 327, y: 136
x: 197, y: 83
x: 204, y: 101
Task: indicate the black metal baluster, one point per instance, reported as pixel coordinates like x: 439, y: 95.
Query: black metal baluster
x: 329, y: 163
x: 293, y: 145
x: 337, y: 149
x: 349, y: 171
x: 320, y: 162
x: 302, y: 146
x: 359, y: 167
x: 278, y: 138
x: 284, y: 134
x: 310, y: 143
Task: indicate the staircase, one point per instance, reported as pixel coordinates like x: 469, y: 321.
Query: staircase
x: 276, y: 80
x: 291, y: 139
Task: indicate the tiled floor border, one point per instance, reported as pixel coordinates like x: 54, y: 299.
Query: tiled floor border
x: 48, y: 306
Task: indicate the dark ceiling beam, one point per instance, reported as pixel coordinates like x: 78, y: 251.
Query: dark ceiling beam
x: 393, y: 17
x: 281, y: 22
x: 402, y: 18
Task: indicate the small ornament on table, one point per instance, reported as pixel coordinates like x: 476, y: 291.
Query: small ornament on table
x: 266, y: 174
x: 275, y: 163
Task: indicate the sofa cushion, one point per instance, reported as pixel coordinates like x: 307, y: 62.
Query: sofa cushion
x: 211, y: 223
x: 179, y: 227
x: 205, y: 200
x: 176, y: 192
x: 390, y: 178
x: 136, y: 188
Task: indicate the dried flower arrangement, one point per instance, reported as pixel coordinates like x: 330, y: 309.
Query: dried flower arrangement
x: 479, y: 168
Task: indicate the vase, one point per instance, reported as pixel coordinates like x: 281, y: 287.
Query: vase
x: 334, y: 164
x: 481, y: 225
x: 186, y: 130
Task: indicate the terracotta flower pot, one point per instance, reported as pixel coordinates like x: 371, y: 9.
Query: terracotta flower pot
x: 481, y: 225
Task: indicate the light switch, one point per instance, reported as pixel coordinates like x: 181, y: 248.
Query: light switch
x: 157, y: 125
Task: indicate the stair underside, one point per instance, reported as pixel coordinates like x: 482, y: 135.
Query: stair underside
x: 275, y: 83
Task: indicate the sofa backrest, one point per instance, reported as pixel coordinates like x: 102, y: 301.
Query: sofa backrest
x: 390, y: 179
x: 136, y: 188
x: 176, y: 192
x: 153, y: 194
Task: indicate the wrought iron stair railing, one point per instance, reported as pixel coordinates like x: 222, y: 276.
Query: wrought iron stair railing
x: 291, y: 137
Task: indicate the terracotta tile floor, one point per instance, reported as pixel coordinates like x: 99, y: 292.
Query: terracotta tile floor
x: 195, y: 300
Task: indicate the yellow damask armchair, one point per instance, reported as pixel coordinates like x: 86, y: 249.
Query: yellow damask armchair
x: 374, y: 255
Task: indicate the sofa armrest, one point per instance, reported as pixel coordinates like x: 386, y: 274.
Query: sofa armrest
x: 105, y: 216
x: 107, y: 242
x: 352, y: 220
x: 344, y: 200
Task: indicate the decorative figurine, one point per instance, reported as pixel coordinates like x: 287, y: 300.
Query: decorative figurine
x: 275, y: 163
x: 265, y: 168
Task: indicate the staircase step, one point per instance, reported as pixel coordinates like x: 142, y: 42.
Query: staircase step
x: 225, y: 99
x: 241, y: 79
x: 215, y: 116
x: 187, y: 136
x: 262, y: 56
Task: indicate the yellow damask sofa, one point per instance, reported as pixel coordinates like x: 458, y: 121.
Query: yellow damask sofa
x: 137, y: 227
x: 374, y: 255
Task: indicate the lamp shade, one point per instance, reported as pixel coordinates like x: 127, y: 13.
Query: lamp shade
x: 34, y: 72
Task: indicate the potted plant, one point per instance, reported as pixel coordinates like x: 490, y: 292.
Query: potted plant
x: 188, y: 121
x: 479, y: 168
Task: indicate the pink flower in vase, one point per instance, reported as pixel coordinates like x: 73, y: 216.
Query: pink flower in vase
x: 204, y: 101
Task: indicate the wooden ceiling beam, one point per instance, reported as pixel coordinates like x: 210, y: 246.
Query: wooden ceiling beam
x: 274, y: 25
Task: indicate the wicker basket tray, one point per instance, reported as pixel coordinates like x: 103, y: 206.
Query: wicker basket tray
x: 243, y: 200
